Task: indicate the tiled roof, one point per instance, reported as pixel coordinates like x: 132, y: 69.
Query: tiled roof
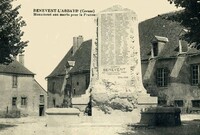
x: 158, y: 26
x: 15, y: 68
x: 37, y: 86
x: 82, y: 59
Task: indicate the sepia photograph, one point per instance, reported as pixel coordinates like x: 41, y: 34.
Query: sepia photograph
x: 93, y: 67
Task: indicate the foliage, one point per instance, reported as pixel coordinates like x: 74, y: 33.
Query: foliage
x: 10, y: 32
x: 189, y: 17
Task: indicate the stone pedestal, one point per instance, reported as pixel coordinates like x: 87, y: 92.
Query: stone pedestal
x: 57, y: 117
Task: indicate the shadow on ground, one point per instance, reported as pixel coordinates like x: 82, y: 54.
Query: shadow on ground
x: 4, y: 126
x: 187, y: 128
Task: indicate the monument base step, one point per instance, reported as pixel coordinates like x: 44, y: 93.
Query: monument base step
x: 61, y: 116
x: 100, y: 119
x: 147, y: 100
x: 81, y: 102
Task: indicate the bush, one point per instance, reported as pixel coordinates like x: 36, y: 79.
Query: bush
x: 10, y: 114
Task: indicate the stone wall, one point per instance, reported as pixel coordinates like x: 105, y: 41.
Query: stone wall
x: 79, y: 84
x: 54, y: 86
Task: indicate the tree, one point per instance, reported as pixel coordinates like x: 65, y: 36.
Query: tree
x: 189, y: 17
x: 10, y: 32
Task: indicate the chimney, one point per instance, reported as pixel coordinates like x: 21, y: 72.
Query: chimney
x: 77, y: 41
x: 21, y: 58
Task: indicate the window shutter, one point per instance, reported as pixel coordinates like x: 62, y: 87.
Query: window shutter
x: 167, y: 76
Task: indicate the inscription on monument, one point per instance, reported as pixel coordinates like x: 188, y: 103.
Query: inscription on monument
x: 115, y: 45
x: 107, y: 39
x: 115, y: 35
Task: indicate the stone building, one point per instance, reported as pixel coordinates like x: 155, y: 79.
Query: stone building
x: 72, y: 75
x: 20, y: 91
x: 170, y: 66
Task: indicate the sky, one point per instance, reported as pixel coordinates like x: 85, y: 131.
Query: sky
x: 50, y: 37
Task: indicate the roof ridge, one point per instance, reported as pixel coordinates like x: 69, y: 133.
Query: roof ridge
x: 15, y: 67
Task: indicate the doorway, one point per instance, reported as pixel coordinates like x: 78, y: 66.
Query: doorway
x: 41, y: 110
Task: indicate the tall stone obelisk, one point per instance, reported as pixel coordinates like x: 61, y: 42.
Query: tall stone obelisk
x: 116, y: 77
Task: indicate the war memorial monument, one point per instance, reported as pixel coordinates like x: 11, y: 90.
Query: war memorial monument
x: 116, y: 90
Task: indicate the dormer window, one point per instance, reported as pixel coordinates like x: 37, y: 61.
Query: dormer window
x: 157, y: 45
x: 155, y: 49
x: 183, y: 45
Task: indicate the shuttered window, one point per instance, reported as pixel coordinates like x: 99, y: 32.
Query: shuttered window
x: 162, y: 77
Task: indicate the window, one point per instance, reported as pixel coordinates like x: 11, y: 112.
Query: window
x: 162, y: 77
x: 14, y: 101
x: 155, y: 49
x: 14, y: 81
x: 195, y: 74
x: 23, y: 101
x: 178, y: 103
x: 74, y: 91
x: 54, y: 102
x: 162, y: 102
x: 196, y: 103
x: 77, y: 83
x: 41, y: 99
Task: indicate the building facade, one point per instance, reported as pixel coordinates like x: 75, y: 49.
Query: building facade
x: 71, y: 76
x: 170, y: 66
x: 20, y: 91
